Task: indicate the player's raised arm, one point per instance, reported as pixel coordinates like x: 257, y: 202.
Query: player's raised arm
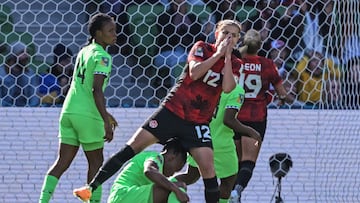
x: 228, y: 82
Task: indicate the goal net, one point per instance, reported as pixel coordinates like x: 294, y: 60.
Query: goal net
x: 315, y: 44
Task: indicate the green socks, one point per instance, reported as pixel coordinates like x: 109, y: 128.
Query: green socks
x: 96, y: 195
x: 48, y: 188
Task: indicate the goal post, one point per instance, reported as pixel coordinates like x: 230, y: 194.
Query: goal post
x: 319, y: 129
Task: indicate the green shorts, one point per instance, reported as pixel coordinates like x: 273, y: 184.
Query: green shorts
x: 79, y: 130
x: 131, y: 194
x: 225, y: 163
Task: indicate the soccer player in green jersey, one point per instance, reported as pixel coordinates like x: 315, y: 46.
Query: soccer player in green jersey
x: 84, y: 119
x: 222, y: 128
x: 146, y: 177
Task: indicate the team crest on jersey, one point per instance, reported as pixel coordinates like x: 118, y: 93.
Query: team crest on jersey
x: 199, y: 52
x: 104, y: 61
x: 153, y: 124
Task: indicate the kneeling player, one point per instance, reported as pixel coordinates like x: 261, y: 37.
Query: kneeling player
x: 146, y: 177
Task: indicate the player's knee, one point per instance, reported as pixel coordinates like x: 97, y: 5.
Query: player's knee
x: 207, y: 170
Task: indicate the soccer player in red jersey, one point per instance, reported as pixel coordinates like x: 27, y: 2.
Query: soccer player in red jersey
x: 187, y: 109
x: 256, y: 75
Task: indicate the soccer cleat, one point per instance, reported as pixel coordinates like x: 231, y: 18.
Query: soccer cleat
x: 235, y: 197
x: 83, y: 193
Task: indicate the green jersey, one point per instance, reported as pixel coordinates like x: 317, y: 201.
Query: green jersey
x: 133, y: 173
x: 222, y: 136
x: 91, y: 60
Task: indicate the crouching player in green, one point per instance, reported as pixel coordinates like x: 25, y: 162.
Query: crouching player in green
x: 222, y: 128
x: 145, y: 178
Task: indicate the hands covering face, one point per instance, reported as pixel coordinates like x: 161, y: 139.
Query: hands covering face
x: 228, y: 36
x: 227, y: 43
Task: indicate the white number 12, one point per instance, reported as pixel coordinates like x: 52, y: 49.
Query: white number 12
x: 203, y: 133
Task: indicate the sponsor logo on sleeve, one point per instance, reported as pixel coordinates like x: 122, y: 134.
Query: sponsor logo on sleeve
x: 241, y: 98
x: 104, y: 61
x: 199, y: 52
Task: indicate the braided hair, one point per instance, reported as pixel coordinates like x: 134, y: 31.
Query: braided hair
x: 176, y: 146
x: 96, y: 22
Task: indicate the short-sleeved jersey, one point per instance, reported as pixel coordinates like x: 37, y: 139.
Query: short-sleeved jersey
x: 133, y: 173
x: 222, y: 136
x: 256, y: 75
x: 91, y: 60
x: 195, y: 100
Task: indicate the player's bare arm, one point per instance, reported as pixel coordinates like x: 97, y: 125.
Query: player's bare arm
x: 282, y: 94
x: 232, y: 122
x: 100, y: 105
x: 197, y: 69
x: 228, y: 83
x: 190, y: 176
x: 151, y: 171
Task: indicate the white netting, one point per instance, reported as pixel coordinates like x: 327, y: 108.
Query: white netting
x: 316, y: 45
x: 153, y: 43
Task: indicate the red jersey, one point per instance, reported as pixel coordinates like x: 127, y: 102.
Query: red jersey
x: 195, y: 100
x: 256, y: 74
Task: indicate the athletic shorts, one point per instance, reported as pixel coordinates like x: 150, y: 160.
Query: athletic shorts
x: 79, y: 130
x: 258, y: 126
x: 164, y: 124
x: 225, y: 163
x: 132, y: 194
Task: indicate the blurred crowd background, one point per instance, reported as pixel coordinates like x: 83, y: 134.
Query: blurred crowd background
x: 314, y: 43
